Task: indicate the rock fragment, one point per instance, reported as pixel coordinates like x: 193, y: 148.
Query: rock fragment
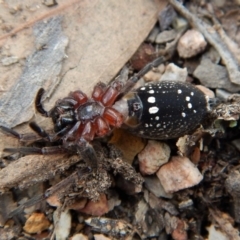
x: 36, y: 223
x: 62, y: 224
x: 174, y: 73
x: 154, y: 155
x: 96, y: 208
x: 166, y: 36
x: 190, y: 44
x: 214, y: 76
x: 179, y: 173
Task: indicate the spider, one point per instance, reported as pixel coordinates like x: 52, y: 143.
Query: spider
x: 162, y: 110
x: 156, y: 111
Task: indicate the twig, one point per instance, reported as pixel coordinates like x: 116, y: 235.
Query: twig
x: 214, y: 39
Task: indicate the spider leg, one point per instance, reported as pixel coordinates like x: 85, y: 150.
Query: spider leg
x: 133, y: 80
x: 29, y: 137
x: 49, y: 137
x: 41, y: 132
x: 22, y: 137
x: 37, y: 151
x: 86, y: 150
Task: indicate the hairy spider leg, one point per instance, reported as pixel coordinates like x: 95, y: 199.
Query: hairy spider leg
x: 134, y: 79
x: 49, y: 137
x: 27, y: 137
x: 83, y: 148
x: 30, y: 138
x: 37, y: 151
x: 88, y: 154
x: 41, y: 132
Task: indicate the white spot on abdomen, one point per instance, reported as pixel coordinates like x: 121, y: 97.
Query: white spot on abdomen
x: 183, y: 114
x: 151, y: 100
x: 153, y: 110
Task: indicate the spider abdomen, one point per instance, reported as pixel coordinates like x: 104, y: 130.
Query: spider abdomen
x: 166, y: 110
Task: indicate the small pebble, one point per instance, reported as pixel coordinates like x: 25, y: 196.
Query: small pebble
x: 153, y: 184
x: 174, y: 73
x: 185, y: 204
x: 180, y: 231
x: 53, y: 201
x: 79, y: 236
x: 190, y: 44
x: 62, y: 224
x: 101, y: 237
x: 152, y: 76
x: 144, y: 55
x: 155, y: 74
x: 154, y: 155
x: 206, y: 91
x: 141, y: 211
x: 214, y: 76
x: 222, y: 94
x: 213, y: 55
x: 215, y: 233
x: 166, y: 17
x: 153, y: 34
x: 166, y: 36
x: 79, y: 204
x: 49, y: 3
x: 9, y: 60
x: 36, y: 223
x: 97, y: 208
x: 179, y: 173
x: 180, y: 23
